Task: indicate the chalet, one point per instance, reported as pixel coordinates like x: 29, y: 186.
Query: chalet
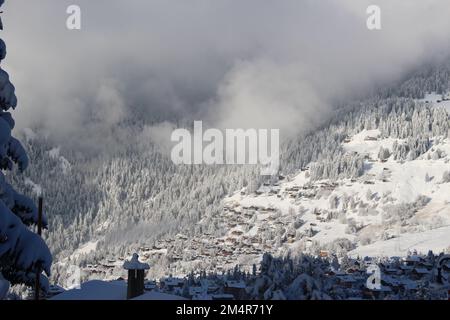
x: 323, y: 253
x: 235, y: 288
x: 150, y: 285
x: 418, y: 273
x: 391, y: 282
x: 346, y: 280
x: 412, y: 260
x: 353, y: 269
x: 171, y: 283
x: 226, y: 253
x: 390, y: 270
x: 231, y: 240
x: 406, y: 268
x: 107, y: 266
x: 292, y: 191
x: 175, y: 258
x: 197, y: 291
x: 209, y: 286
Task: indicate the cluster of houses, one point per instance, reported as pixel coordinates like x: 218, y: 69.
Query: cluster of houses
x: 206, y: 288
x: 414, y: 277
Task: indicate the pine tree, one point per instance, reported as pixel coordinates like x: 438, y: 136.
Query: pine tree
x: 23, y: 254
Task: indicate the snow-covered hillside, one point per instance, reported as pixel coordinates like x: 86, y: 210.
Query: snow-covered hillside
x: 394, y: 207
x: 373, y: 180
x: 379, y: 187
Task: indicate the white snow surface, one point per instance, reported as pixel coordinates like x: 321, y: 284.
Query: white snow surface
x: 437, y: 239
x: 442, y: 100
x: 84, y: 249
x: 109, y: 290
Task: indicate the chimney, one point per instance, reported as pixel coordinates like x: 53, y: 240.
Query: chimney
x: 136, y: 276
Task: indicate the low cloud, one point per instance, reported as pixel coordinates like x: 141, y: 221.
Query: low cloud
x: 251, y: 64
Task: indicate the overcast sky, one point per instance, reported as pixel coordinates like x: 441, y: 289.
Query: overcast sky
x: 249, y: 63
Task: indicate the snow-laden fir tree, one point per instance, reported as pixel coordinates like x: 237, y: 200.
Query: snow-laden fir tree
x: 23, y: 254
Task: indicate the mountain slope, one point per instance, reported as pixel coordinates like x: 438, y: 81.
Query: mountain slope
x: 373, y: 177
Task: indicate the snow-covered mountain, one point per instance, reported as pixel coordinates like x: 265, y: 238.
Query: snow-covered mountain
x: 385, y: 195
x: 374, y: 180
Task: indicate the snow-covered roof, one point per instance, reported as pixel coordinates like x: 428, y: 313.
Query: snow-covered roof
x: 113, y: 290
x: 197, y: 290
x: 235, y: 284
x: 96, y: 290
x: 135, y: 264
x: 172, y: 281
x: 422, y: 270
x: 347, y: 278
x: 413, y: 259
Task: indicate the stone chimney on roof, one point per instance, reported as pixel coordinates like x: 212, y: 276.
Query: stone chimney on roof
x: 136, y: 276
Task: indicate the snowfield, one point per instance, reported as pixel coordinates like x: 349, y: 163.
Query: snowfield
x: 436, y: 239
x: 438, y: 100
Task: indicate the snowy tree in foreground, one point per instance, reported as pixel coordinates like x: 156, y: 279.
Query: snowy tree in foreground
x: 23, y: 254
